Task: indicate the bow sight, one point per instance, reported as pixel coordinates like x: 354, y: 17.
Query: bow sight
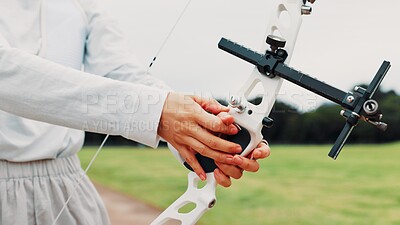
x: 356, y: 105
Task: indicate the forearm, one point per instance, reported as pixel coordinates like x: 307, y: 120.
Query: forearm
x: 38, y: 89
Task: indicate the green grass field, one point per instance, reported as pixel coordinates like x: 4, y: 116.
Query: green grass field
x: 296, y: 185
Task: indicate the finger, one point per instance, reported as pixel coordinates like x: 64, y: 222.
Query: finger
x: 261, y: 152
x: 204, y: 150
x: 210, y: 105
x: 222, y: 179
x: 190, y: 159
x: 212, y: 123
x: 228, y: 120
x: 246, y: 164
x: 229, y: 170
x: 215, y: 142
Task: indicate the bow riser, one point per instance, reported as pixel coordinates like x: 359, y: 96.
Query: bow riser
x: 248, y: 118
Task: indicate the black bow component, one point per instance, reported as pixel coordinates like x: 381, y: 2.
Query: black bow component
x: 356, y: 105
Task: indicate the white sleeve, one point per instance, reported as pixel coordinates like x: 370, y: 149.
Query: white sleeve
x: 38, y: 89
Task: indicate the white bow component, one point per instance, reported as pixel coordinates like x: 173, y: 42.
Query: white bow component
x: 247, y: 115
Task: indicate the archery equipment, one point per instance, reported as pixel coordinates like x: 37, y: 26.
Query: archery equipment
x: 249, y: 117
x: 357, y: 105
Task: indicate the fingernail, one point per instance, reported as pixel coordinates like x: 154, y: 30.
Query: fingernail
x: 238, y: 160
x: 202, y: 177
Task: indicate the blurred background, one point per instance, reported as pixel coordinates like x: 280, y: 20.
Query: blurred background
x: 342, y: 43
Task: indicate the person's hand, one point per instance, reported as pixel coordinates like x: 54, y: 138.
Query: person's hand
x: 224, y: 172
x: 186, y: 124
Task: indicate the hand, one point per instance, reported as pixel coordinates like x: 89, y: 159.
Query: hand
x: 187, y: 126
x: 225, y: 171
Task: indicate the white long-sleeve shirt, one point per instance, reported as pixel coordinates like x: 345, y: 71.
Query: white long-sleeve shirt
x: 43, y: 47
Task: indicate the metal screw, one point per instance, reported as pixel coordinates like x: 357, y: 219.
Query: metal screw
x: 306, y: 10
x: 342, y: 113
x: 370, y: 107
x: 236, y: 102
x: 382, y: 126
x: 212, y: 203
x: 350, y: 99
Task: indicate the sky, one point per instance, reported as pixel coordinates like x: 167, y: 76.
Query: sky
x: 342, y: 43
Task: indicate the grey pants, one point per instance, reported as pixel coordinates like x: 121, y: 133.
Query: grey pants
x: 33, y: 193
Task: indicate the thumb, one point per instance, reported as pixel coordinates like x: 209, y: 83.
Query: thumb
x: 210, y: 105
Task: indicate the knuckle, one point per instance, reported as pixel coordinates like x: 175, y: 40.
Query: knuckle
x: 246, y: 164
x: 212, y: 143
x: 201, y: 149
x: 190, y: 160
x: 221, y: 158
x: 190, y: 117
x: 215, y: 124
x: 219, y: 124
x: 179, y: 139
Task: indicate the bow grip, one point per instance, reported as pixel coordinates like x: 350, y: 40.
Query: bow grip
x: 208, y: 164
x: 247, y: 138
